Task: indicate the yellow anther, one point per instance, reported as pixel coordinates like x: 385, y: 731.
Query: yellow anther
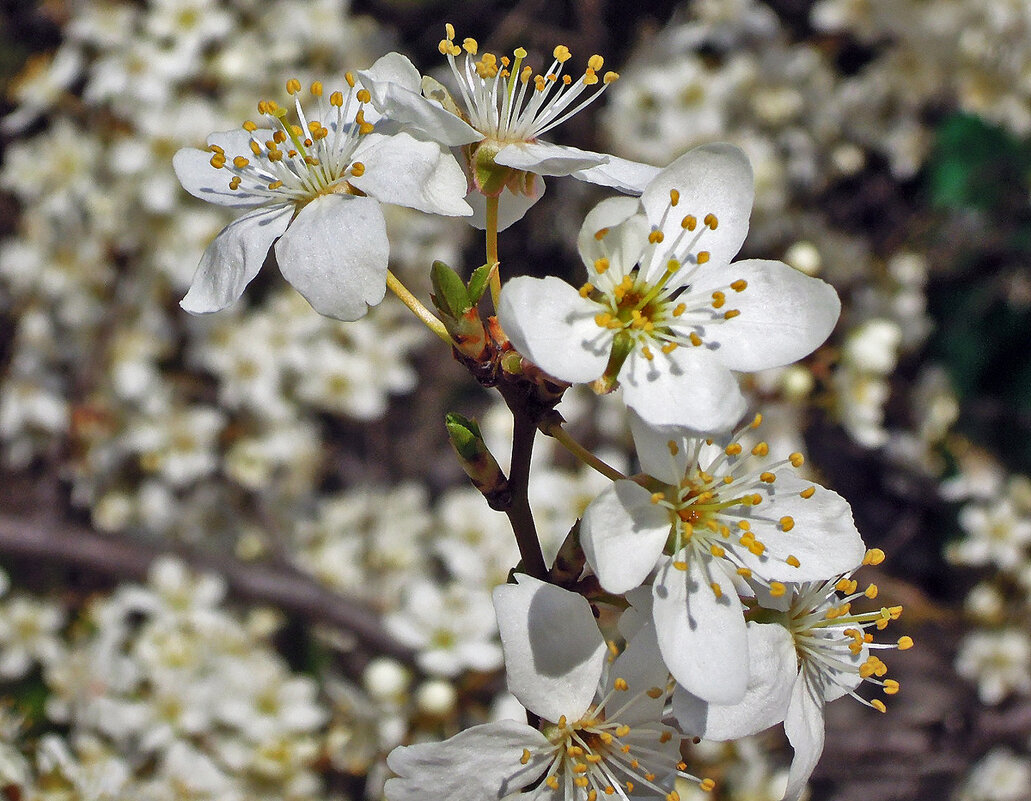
x: 718, y: 299
x: 566, y: 80
x: 744, y: 525
x: 878, y: 704
x: 655, y: 692
x: 562, y: 722
x: 689, y: 222
x: 218, y: 161
x: 278, y: 137
x: 647, y: 353
x: 755, y: 499
x: 622, y: 731
x: 731, y: 314
x: 594, y: 759
x: 767, y: 477
x: 336, y: 99
x: 316, y: 89
x: 757, y: 548
x: 891, y: 687
x: 695, y: 339
x: 363, y: 96
x: 672, y: 795
x: 561, y: 54
x: 717, y: 551
x: 874, y: 556
x: 595, y: 62
x: 470, y: 45
x: 250, y: 127
x: 871, y: 591
x: 711, y: 221
x: 787, y: 523
x: 905, y: 643
x: 580, y: 767
x: 363, y: 126
x: 744, y: 572
x: 716, y: 589
x: 449, y: 31
x: 525, y: 758
x: 796, y: 459
x: 601, y: 265
x: 275, y: 185
x: 592, y: 795
x: 540, y: 83
x: 600, y: 233
x: 808, y: 492
x: 586, y: 289
x: 762, y: 449
x: 234, y: 184
x: 733, y: 449
x: 610, y: 77
x: 846, y: 585
x: 608, y: 789
x: 669, y: 347
x: 349, y: 77
x: 679, y: 565
x: 655, y: 237
x: 357, y: 169
x: 740, y: 285
x: 629, y: 787
x: 895, y: 612
x: 552, y: 782
x: 240, y: 162
x: 793, y: 561
x: 620, y: 684
x: 293, y: 86
x: 777, y: 589
x: 255, y: 148
x: 702, y: 257
x: 707, y: 785
x: 525, y: 74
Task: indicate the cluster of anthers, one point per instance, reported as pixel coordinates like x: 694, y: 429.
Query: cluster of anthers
x: 652, y: 303
x: 305, y: 159
x: 701, y: 505
x: 603, y: 754
x: 495, y: 90
x: 829, y: 637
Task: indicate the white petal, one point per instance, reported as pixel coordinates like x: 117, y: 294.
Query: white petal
x: 406, y: 171
x: 194, y: 170
x: 626, y: 235
x: 622, y: 534
x: 716, y: 179
x: 234, y: 258
x: 772, y: 670
x: 823, y: 538
x: 689, y: 387
x: 554, y: 652
x: 641, y: 666
x: 549, y: 323
x: 627, y: 176
x: 703, y: 638
x: 395, y: 86
x: 785, y: 314
x: 511, y: 207
x: 335, y: 254
x: 545, y: 158
x: 479, y: 763
x: 804, y: 727
x: 653, y: 449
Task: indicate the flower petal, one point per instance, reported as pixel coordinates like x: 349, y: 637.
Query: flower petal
x: 711, y: 179
x: 554, y: 652
x: 703, y: 638
x: 195, y: 172
x: 335, y: 254
x: 511, y: 206
x: 627, y: 176
x: 545, y: 158
x: 772, y: 670
x: 641, y: 667
x: 654, y: 452
x: 479, y: 763
x: 553, y: 326
x: 689, y: 387
x: 822, y: 535
x: 395, y: 85
x: 804, y: 727
x: 406, y: 171
x: 234, y: 258
x: 622, y: 533
x: 785, y: 314
x: 615, y: 230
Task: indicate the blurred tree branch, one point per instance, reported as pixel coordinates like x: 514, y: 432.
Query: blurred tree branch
x: 277, y: 585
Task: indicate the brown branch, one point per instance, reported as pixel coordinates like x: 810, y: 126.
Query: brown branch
x: 123, y: 558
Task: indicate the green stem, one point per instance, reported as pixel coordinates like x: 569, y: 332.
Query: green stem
x: 492, y: 249
x: 420, y: 311
x: 519, y: 513
x: 580, y: 452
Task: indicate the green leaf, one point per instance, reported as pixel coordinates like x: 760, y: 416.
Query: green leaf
x: 449, y: 292
x: 478, y: 282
